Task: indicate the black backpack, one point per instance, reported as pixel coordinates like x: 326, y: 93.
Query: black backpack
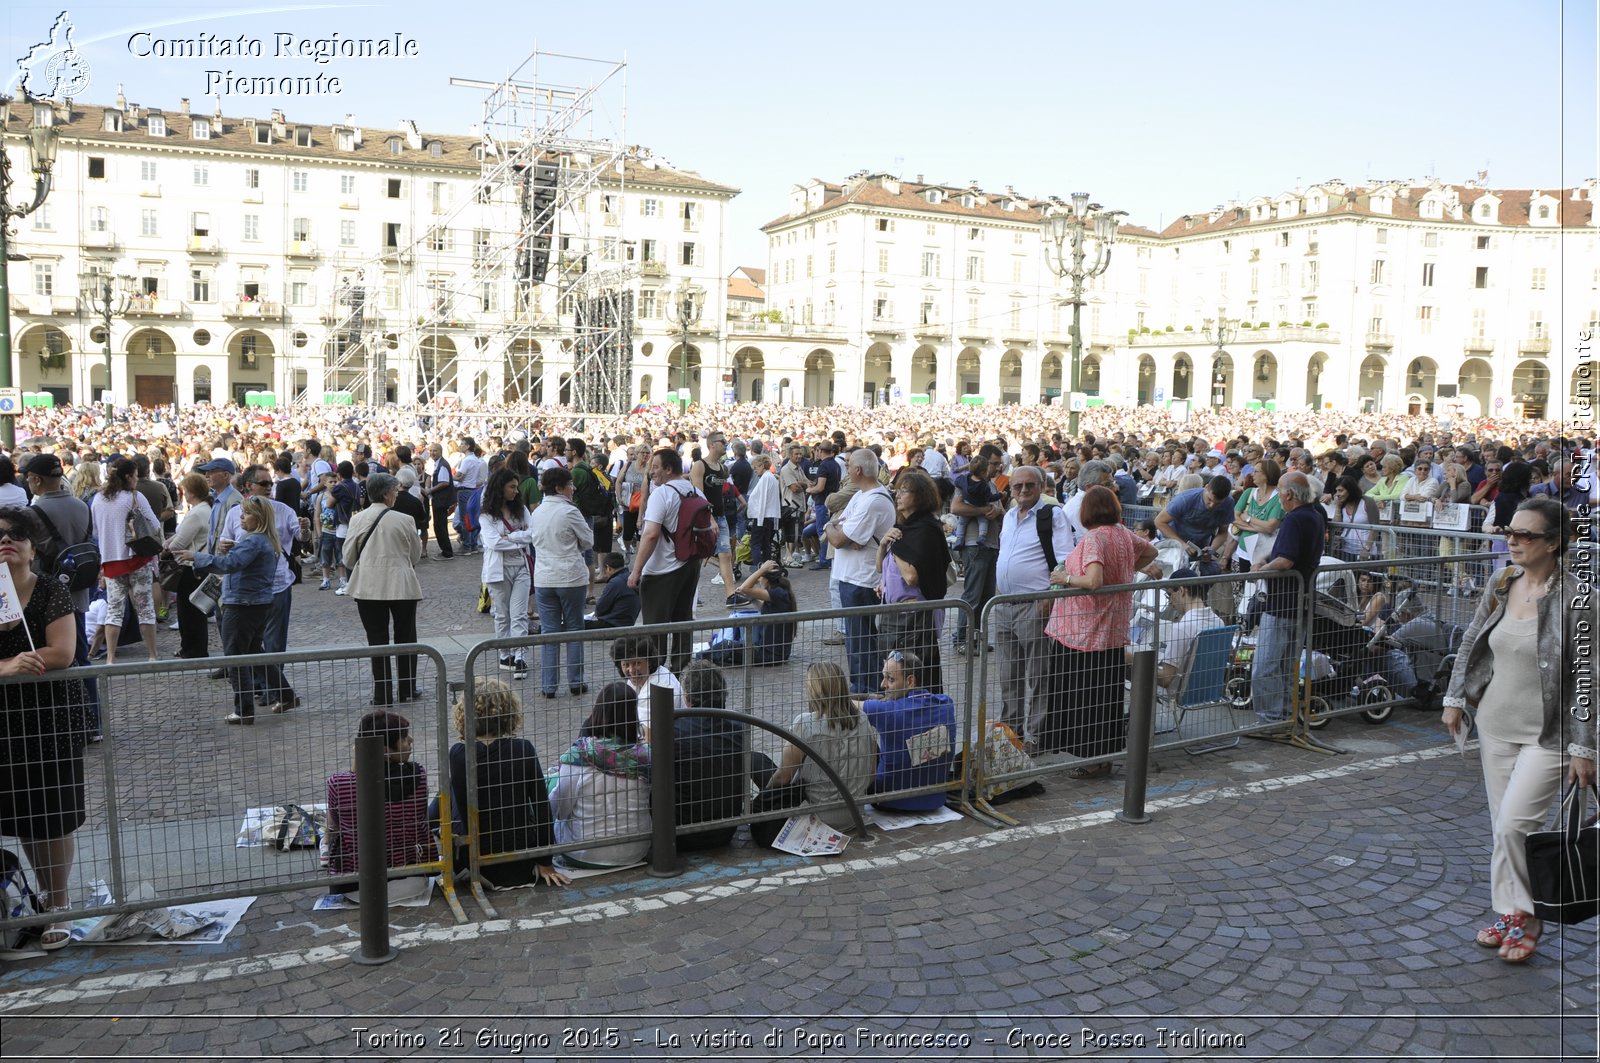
x: 76, y: 565
x: 592, y: 498
x: 1044, y: 524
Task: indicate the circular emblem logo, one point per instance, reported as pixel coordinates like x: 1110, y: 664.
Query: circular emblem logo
x: 67, y: 73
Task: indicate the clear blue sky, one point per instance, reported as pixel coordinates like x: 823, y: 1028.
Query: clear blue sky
x: 1158, y: 108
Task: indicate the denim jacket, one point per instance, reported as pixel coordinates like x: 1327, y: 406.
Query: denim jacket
x: 247, y: 570
x: 1566, y: 663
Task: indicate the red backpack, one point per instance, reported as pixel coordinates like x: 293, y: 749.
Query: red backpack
x: 695, y: 536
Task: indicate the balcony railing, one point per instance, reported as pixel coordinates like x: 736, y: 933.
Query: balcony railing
x: 1478, y: 345
x: 301, y: 249
x: 1380, y: 340
x: 762, y: 327
x: 203, y: 245
x: 101, y: 238
x: 151, y: 306
x: 1289, y: 334
x: 1535, y: 345
x: 253, y: 308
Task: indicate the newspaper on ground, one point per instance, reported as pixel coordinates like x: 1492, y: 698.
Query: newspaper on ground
x: 808, y: 836
x: 886, y: 820
x: 413, y: 892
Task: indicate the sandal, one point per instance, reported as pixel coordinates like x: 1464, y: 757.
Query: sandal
x: 1492, y: 937
x: 56, y: 935
x: 1519, y: 945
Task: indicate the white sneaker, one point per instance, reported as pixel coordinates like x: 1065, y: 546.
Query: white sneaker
x: 344, y: 589
x: 716, y: 581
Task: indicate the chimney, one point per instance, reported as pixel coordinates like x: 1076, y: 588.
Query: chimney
x: 183, y: 105
x: 122, y: 101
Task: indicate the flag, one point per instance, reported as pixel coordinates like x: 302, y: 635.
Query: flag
x: 10, y: 611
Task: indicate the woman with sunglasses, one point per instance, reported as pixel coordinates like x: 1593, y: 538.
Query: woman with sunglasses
x: 247, y: 567
x: 41, y: 774
x: 1520, y: 641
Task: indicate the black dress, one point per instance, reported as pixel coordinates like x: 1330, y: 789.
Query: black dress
x: 43, y: 729
x: 922, y: 546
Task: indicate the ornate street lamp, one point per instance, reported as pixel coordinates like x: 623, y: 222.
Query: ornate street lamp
x: 1219, y: 330
x: 684, y: 307
x: 1077, y: 246
x: 42, y: 154
x: 113, y: 292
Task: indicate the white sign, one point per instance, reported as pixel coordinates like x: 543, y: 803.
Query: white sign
x: 10, y: 402
x: 1078, y: 402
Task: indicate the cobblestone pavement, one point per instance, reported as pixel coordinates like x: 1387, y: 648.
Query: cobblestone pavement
x: 1280, y: 904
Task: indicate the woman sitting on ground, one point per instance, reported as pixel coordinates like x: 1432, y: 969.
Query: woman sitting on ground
x: 408, y: 839
x: 641, y: 661
x: 513, y: 799
x: 603, y: 787
x: 837, y: 730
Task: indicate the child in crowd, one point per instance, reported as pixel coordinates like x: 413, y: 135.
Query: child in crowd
x: 329, y: 550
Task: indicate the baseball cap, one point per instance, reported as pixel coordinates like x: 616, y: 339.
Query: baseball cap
x: 218, y: 465
x: 43, y: 465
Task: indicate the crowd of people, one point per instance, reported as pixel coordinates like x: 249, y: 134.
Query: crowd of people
x: 894, y: 505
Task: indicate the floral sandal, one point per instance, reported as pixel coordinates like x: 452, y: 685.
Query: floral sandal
x: 1492, y: 937
x: 56, y: 935
x: 1519, y: 945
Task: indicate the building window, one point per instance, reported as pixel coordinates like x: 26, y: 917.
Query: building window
x: 147, y: 170
x: 883, y: 260
x: 972, y: 310
x: 300, y: 229
x: 1427, y: 274
x: 1544, y: 212
x: 202, y: 129
x: 880, y: 308
x: 302, y: 136
x: 930, y: 312
x: 300, y: 291
x: 147, y: 223
x: 833, y: 259
x: 689, y: 257
x: 1540, y: 273
x: 1382, y: 236
x: 391, y: 234
x: 202, y: 175
x: 263, y: 134
x: 1313, y: 275
x: 1377, y: 274
x: 200, y: 223
x: 647, y: 303
x: 200, y: 285
x: 298, y: 180
x: 347, y: 140
x: 252, y: 178
x: 1480, y: 323
x: 1536, y: 325
x: 347, y: 184
x: 252, y: 227
x: 438, y: 239
x: 41, y: 218
x: 1480, y: 277
x: 395, y: 146
x: 44, y: 278
x: 393, y: 188
x: 157, y: 125
x: 974, y: 268
x: 1483, y: 243
x: 648, y: 251
x: 99, y: 219
x: 930, y: 263
x: 1255, y: 279
x: 347, y: 233
x: 884, y: 225
x: 1016, y: 316
x: 1425, y: 320
x: 1016, y: 271
x: 649, y: 208
x: 1430, y: 239
x: 112, y: 122
x: 97, y: 168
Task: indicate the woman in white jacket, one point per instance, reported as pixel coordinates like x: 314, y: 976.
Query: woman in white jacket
x: 506, y: 538
x: 561, y: 534
x: 603, y: 787
x: 763, y: 510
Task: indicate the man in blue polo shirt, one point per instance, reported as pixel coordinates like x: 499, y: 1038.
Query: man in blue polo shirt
x: 916, y: 735
x: 1199, y: 517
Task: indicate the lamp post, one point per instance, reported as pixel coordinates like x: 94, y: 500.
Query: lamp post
x: 1077, y: 246
x: 683, y: 310
x: 1219, y: 330
x: 42, y: 154
x: 113, y: 291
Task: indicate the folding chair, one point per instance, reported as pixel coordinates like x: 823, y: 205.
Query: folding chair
x: 1205, y: 680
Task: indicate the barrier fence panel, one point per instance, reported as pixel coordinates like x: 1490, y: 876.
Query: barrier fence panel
x: 1059, y: 677
x: 599, y: 805
x: 1384, y: 635
x: 181, y: 806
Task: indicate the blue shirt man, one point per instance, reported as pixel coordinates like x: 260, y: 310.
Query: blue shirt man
x: 916, y: 736
x: 1199, y: 516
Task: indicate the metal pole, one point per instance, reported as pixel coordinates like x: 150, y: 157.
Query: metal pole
x: 106, y: 324
x: 8, y: 432
x: 663, y: 784
x: 1077, y: 358
x: 1141, y: 733
x: 372, y: 862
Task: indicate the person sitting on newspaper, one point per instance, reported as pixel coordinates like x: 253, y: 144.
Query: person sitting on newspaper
x: 916, y: 731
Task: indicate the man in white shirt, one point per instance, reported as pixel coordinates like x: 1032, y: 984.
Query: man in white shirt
x: 1023, y: 567
x: 665, y: 584
x: 1092, y: 473
x: 1177, y: 638
x: 854, y: 535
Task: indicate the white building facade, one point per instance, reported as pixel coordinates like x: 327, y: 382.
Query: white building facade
x: 1395, y: 296
x: 241, y: 239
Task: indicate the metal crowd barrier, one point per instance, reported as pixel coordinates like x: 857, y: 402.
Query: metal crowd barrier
x: 170, y: 788
x: 773, y: 692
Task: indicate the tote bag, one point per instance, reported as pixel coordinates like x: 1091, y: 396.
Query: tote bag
x: 1564, y: 864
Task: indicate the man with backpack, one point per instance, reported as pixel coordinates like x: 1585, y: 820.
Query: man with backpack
x: 1034, y: 538
x: 591, y: 492
x: 68, y: 555
x: 672, y: 544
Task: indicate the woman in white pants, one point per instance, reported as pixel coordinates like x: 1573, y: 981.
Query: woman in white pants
x: 1521, y: 640
x: 506, y: 572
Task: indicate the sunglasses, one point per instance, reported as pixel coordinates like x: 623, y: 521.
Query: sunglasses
x: 1520, y: 536
x: 15, y: 535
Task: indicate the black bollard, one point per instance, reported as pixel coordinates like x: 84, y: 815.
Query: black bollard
x: 1141, y: 733
x: 663, y: 799
x: 372, y: 865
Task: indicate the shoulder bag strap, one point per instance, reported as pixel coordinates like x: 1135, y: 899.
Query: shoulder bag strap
x: 1044, y: 524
